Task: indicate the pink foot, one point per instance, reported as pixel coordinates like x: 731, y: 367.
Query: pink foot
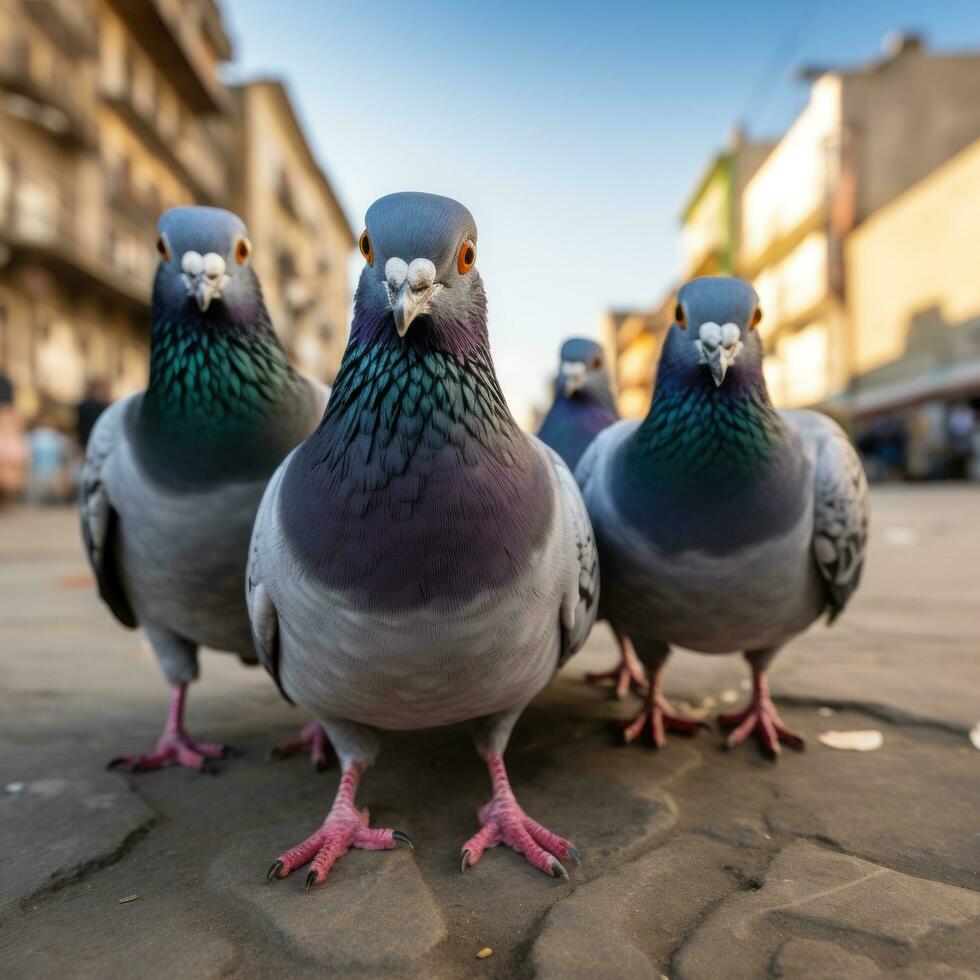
x: 762, y: 718
x: 504, y: 822
x: 175, y: 747
x: 312, y: 739
x: 657, y: 717
x: 627, y: 675
x: 344, y: 828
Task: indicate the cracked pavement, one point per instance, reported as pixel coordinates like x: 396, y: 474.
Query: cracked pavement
x: 696, y: 863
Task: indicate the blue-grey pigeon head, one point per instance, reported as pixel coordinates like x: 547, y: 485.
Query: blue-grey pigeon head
x: 582, y: 370
x: 420, y: 265
x: 204, y: 260
x: 714, y: 328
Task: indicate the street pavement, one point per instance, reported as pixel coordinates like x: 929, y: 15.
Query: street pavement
x: 696, y: 863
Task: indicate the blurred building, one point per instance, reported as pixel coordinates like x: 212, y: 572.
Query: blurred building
x: 866, y: 136
x: 711, y: 224
x: 632, y: 340
x: 112, y: 111
x: 300, y: 234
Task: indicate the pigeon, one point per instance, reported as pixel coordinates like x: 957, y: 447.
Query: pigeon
x: 583, y: 404
x: 722, y: 524
x: 173, y: 475
x: 583, y: 407
x: 419, y: 560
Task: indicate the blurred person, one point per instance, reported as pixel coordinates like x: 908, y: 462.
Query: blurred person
x: 960, y: 427
x: 13, y: 445
x: 95, y: 402
x: 50, y: 480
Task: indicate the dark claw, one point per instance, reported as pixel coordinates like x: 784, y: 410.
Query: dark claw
x: 115, y: 763
x: 310, y: 881
x: 573, y: 851
x: 321, y: 765
x: 558, y: 869
x: 466, y: 860
x: 230, y: 752
x: 209, y: 768
x: 399, y: 836
x: 277, y: 866
x: 273, y: 753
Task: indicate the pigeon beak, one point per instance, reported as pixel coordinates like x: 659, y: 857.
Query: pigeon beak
x: 204, y: 288
x: 718, y: 364
x: 408, y: 303
x: 573, y: 373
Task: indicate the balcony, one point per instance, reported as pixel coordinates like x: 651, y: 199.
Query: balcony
x: 177, y: 46
x: 69, y: 23
x: 171, y: 151
x: 52, y: 105
x: 38, y: 226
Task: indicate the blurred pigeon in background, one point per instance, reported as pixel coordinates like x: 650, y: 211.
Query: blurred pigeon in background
x: 173, y: 475
x: 722, y: 524
x: 583, y: 404
x: 583, y: 407
x: 419, y: 560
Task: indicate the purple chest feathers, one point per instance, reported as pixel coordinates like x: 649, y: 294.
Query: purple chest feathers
x: 418, y: 488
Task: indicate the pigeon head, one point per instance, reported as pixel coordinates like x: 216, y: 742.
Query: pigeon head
x: 582, y: 370
x: 715, y: 327
x: 420, y: 275
x: 204, y: 258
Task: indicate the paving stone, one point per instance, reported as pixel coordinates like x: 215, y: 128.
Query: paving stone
x: 65, y: 817
x: 811, y: 959
x: 628, y: 923
x: 809, y: 889
x: 337, y: 924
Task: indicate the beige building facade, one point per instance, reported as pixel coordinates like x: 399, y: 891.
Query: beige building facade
x: 301, y: 237
x: 864, y: 138
x: 913, y: 298
x: 112, y: 111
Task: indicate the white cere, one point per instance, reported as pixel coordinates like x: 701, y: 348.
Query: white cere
x: 213, y: 265
x: 396, y: 271
x: 421, y: 274
x: 192, y: 263
x: 710, y: 334
x: 730, y: 334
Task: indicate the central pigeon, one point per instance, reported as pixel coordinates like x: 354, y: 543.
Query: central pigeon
x: 583, y: 407
x: 722, y: 524
x: 419, y: 560
x: 173, y: 475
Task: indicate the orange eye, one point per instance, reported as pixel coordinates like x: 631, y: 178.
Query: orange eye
x: 243, y: 248
x: 596, y: 363
x: 679, y: 316
x: 163, y: 248
x: 756, y: 318
x: 365, y: 247
x: 467, y: 258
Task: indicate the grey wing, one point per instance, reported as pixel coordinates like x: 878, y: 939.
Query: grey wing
x: 581, y: 599
x: 842, y: 507
x: 99, y: 519
x: 262, y: 614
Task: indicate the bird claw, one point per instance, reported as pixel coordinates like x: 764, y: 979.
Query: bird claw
x: 310, y: 881
x: 313, y: 739
x: 558, y: 869
x: 273, y: 873
x: 465, y: 863
x: 403, y: 838
x: 573, y: 852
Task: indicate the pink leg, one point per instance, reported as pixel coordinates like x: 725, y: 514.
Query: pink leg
x: 762, y: 718
x: 175, y: 747
x: 627, y: 675
x: 344, y: 828
x: 504, y: 822
x: 657, y: 717
x: 312, y: 739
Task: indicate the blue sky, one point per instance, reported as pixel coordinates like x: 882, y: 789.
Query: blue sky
x: 573, y: 132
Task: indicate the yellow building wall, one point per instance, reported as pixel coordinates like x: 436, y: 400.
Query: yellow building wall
x: 917, y: 253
